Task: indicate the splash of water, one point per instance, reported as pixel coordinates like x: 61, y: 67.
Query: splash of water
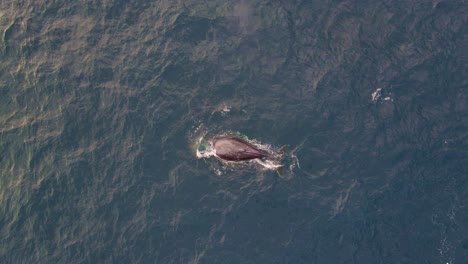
x: 205, y: 149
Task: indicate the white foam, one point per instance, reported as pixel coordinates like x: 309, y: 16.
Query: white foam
x: 209, y: 151
x: 206, y: 153
x: 268, y: 164
x: 295, y: 161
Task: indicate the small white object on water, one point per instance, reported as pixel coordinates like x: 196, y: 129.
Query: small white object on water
x: 376, y: 94
x: 226, y: 109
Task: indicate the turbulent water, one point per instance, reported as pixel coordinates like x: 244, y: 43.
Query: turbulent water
x: 102, y: 104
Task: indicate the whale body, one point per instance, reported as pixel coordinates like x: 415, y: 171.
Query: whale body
x: 236, y: 149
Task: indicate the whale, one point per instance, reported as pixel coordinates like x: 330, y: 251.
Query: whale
x: 235, y: 149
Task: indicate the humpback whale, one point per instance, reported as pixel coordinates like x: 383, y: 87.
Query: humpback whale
x: 236, y: 149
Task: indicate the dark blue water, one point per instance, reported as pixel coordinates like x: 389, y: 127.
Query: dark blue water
x: 102, y: 104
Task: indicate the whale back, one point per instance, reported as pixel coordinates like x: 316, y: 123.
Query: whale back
x: 235, y: 149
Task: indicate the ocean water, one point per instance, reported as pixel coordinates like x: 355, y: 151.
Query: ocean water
x: 103, y: 104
